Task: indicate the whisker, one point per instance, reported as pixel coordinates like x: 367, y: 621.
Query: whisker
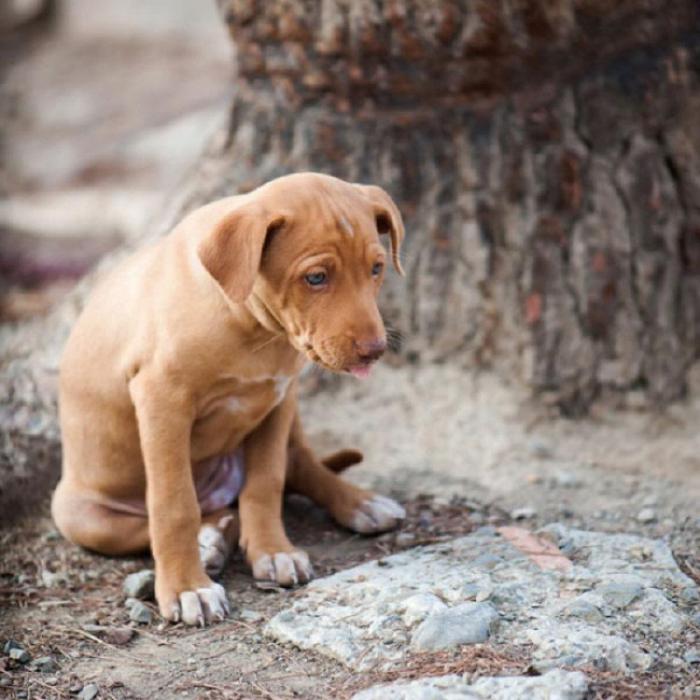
x: 266, y: 343
x: 394, y: 339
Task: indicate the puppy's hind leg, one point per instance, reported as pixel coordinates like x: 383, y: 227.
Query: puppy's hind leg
x: 357, y: 509
x: 95, y: 526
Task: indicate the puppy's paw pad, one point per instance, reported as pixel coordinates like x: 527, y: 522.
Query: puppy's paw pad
x: 202, y: 606
x: 284, y: 568
x: 377, y: 514
x: 213, y: 549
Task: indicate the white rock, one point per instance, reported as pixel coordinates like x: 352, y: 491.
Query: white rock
x: 555, y: 685
x: 620, y: 586
x: 419, y: 606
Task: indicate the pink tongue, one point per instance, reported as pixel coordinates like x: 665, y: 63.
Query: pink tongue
x: 361, y: 371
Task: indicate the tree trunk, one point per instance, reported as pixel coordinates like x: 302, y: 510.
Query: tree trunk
x: 546, y: 157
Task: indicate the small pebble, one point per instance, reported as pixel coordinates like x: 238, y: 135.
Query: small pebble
x: 405, y: 539
x: 9, y: 645
x: 646, y: 515
x: 690, y: 594
x: 44, y: 664
x: 250, y: 616
x: 140, y: 585
x: 138, y: 612
x: 692, y: 656
x: 523, y: 513
x: 566, y: 480
x: 540, y: 449
x: 20, y: 655
x: 88, y: 692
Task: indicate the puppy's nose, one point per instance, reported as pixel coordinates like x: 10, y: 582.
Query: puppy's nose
x: 370, y: 350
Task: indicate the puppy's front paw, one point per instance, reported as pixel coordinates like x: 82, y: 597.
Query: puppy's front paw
x: 376, y: 514
x: 283, y: 568
x: 200, y: 606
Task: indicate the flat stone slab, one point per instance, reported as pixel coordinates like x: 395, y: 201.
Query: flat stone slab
x: 554, y: 685
x: 579, y: 598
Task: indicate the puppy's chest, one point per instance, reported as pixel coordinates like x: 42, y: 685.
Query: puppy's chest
x: 232, y: 409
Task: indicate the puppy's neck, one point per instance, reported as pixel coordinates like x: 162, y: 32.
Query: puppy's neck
x: 264, y: 315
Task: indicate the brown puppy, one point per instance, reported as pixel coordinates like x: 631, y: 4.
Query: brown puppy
x: 177, y: 385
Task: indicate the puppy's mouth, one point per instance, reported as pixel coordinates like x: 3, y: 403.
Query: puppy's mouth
x: 362, y: 370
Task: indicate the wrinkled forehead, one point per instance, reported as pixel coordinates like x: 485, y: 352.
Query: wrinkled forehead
x: 326, y: 206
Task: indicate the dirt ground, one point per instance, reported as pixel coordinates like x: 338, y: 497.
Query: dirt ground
x: 459, y: 450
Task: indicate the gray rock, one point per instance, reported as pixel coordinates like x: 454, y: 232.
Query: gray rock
x: 10, y: 644
x: 469, y: 623
x: 88, y: 692
x: 578, y: 644
x: 140, y: 585
x: 582, y: 609
x: 567, y: 480
x: 619, y: 588
x: 555, y: 685
x: 419, y: 606
x: 524, y: 513
x: 404, y: 539
x: 138, y: 612
x: 620, y: 593
x: 19, y: 655
x: 690, y: 595
x: 488, y: 561
x: 250, y: 615
x: 646, y: 515
x: 692, y: 656
x: 540, y: 449
x: 44, y: 664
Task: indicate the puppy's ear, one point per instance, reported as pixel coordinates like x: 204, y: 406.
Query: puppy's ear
x: 232, y: 251
x: 388, y: 218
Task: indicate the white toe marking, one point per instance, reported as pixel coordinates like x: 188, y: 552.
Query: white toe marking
x: 263, y: 568
x: 213, y: 549
x: 208, y: 604
x: 284, y: 568
x: 377, y: 515
x: 191, y: 609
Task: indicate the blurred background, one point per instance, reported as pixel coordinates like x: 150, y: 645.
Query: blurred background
x: 545, y: 155
x: 105, y: 107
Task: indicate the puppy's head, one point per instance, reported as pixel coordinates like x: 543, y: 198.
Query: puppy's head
x: 304, y: 253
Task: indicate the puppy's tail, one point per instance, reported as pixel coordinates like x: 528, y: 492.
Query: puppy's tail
x: 341, y: 460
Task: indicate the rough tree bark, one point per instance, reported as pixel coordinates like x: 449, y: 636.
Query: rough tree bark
x: 546, y: 156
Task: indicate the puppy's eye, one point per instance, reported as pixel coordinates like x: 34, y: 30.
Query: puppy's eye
x: 316, y: 279
x: 377, y: 269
